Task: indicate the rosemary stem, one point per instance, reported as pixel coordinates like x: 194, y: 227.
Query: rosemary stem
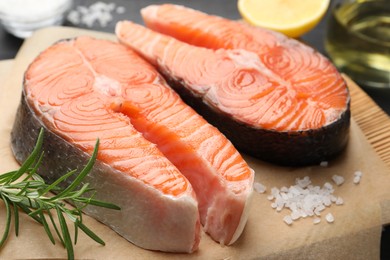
x: 33, y: 196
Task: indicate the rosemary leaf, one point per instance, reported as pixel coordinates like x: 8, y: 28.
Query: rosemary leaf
x: 30, y: 159
x: 36, y: 212
x: 14, y: 198
x: 83, y: 172
x: 89, y: 232
x: 55, y: 227
x: 23, y: 186
x: 31, y: 184
x: 58, y: 181
x: 36, y: 177
x: 7, y: 220
x: 65, y: 233
x: 34, y: 170
x: 37, y: 164
x: 76, y: 232
x: 46, y: 227
x: 5, y: 176
x: 78, y: 193
x: 69, y: 213
x: 16, y: 218
x: 32, y: 194
x: 103, y: 204
x: 28, y: 211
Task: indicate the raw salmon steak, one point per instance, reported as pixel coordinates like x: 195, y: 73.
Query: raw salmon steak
x: 83, y: 89
x: 70, y: 89
x: 273, y: 97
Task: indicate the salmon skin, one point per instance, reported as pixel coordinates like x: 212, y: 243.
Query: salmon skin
x: 83, y: 89
x: 273, y: 97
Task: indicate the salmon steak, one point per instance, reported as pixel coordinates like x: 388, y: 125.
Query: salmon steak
x: 165, y: 166
x: 273, y: 97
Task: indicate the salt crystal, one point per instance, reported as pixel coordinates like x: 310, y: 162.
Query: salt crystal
x: 328, y: 186
x: 288, y: 220
x: 284, y: 189
x: 303, y: 183
x: 356, y: 179
x: 321, y: 207
x: 284, y: 196
x: 305, y: 192
x: 274, y: 191
x: 314, y: 189
x: 293, y: 206
x: 316, y: 220
x: 295, y: 215
x: 318, y: 209
x: 270, y: 197
x: 339, y: 201
x: 329, y: 217
x: 324, y: 164
x: 338, y: 179
x: 260, y: 188
x: 279, y: 199
x: 120, y: 10
x: 327, y: 201
x: 294, y: 190
x: 74, y: 17
x: 310, y: 213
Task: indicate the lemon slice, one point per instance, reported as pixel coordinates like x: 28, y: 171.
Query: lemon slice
x: 291, y: 17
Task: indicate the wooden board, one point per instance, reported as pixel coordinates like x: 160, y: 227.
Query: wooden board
x: 355, y: 234
x: 372, y: 120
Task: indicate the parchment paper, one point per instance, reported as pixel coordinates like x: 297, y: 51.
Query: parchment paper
x: 355, y: 234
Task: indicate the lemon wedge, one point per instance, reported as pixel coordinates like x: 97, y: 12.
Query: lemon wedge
x: 291, y: 17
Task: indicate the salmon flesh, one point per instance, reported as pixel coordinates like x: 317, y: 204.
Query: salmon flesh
x: 167, y: 168
x: 273, y: 97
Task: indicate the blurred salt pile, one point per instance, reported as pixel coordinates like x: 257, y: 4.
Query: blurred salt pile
x: 99, y: 12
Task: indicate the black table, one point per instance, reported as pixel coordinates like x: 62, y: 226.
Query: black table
x: 9, y: 46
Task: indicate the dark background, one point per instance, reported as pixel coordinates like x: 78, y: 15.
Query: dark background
x: 9, y: 46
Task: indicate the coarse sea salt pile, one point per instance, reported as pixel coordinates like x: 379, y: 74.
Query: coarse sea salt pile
x: 304, y: 199
x: 98, y: 12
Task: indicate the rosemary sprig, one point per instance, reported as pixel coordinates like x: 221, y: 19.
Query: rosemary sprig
x: 33, y: 196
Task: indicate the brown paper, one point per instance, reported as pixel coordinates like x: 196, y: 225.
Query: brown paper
x: 355, y: 234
